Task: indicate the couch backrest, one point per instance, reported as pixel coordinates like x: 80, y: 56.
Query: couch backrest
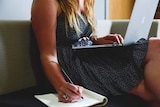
x: 15, y: 64
x: 15, y: 61
x: 120, y: 26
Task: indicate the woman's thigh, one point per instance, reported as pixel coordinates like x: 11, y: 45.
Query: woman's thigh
x: 146, y: 89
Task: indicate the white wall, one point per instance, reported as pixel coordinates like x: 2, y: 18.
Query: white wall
x: 15, y: 9
x: 100, y: 10
x: 20, y: 9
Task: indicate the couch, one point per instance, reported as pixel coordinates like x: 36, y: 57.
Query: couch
x: 17, y: 79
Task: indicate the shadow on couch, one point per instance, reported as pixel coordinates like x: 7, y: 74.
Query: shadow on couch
x: 25, y: 98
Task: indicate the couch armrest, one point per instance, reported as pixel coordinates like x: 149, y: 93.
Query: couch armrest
x: 155, y: 28
x: 15, y: 66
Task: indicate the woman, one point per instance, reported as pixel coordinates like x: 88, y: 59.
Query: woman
x: 133, y: 69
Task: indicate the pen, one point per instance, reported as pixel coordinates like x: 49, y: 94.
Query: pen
x: 69, y: 79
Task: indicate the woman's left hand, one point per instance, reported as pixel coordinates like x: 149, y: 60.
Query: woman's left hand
x: 109, y: 39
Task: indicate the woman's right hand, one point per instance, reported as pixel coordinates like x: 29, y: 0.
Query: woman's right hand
x: 109, y: 39
x: 69, y: 93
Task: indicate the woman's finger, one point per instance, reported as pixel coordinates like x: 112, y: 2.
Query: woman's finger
x: 116, y: 38
x: 112, y: 38
x: 120, y: 38
x: 69, y: 92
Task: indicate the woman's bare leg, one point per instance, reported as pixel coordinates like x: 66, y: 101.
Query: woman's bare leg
x: 149, y: 88
x: 142, y: 91
x: 152, y: 69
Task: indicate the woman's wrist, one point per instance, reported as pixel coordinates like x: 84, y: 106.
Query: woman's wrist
x: 93, y: 38
x: 58, y: 76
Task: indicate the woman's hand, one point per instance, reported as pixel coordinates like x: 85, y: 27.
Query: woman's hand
x: 69, y: 93
x: 109, y: 39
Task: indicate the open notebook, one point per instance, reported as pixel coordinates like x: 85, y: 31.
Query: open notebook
x: 139, y: 24
x: 90, y: 98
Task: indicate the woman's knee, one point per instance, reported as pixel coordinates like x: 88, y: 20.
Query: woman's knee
x: 153, y: 49
x: 154, y: 43
x: 142, y: 91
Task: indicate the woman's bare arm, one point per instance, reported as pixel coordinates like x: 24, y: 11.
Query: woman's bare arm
x: 44, y: 21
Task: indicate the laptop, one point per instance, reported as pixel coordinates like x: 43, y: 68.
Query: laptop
x: 139, y: 25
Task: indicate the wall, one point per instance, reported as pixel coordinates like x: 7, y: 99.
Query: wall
x: 15, y: 9
x: 100, y: 9
x: 20, y: 9
x: 120, y: 9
